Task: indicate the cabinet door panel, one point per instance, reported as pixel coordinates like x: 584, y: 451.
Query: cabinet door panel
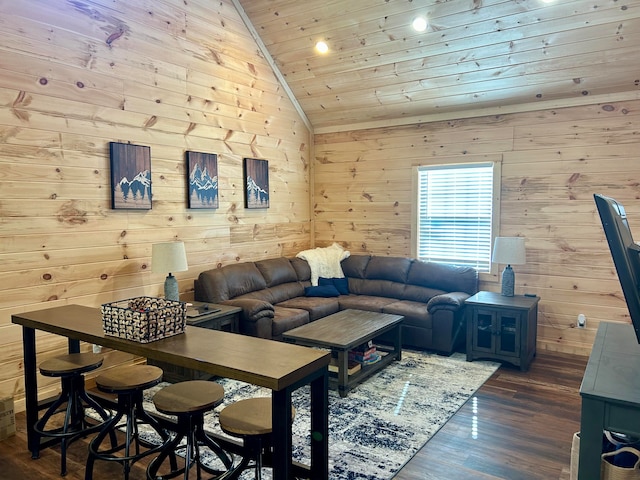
x: 484, y: 331
x: 508, y: 334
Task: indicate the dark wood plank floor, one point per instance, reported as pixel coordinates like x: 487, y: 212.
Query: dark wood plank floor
x: 517, y: 427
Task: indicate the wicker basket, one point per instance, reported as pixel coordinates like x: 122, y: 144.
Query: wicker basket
x: 144, y: 319
x: 575, y: 456
x: 613, y: 472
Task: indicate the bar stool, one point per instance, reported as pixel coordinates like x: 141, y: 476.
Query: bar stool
x: 189, y: 401
x: 128, y: 383
x: 250, y: 420
x: 70, y: 368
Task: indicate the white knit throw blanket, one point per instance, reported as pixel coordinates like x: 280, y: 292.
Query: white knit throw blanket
x: 324, y: 261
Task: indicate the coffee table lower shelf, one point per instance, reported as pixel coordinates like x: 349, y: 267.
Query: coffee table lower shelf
x: 346, y: 330
x: 365, y: 372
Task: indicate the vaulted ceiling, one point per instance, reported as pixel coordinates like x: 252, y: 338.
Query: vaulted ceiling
x: 475, y: 57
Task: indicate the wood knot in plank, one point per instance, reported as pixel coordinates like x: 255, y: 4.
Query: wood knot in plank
x: 22, y: 100
x: 151, y: 122
x: 71, y: 215
x: 115, y: 36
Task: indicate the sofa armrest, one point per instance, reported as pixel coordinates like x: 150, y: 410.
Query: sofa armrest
x: 252, y: 309
x: 451, y: 301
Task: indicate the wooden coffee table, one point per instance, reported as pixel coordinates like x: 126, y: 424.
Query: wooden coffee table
x: 344, y: 331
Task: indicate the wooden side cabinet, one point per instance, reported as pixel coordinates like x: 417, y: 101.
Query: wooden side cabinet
x: 211, y: 316
x: 502, y: 328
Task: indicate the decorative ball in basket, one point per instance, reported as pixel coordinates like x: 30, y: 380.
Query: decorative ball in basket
x: 144, y: 319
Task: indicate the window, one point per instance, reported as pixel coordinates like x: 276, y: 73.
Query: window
x: 454, y: 214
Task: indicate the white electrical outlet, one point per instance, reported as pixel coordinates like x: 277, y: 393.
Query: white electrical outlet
x: 97, y: 348
x: 582, y: 320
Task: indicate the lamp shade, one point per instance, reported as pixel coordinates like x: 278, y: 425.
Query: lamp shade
x: 168, y: 257
x: 509, y: 251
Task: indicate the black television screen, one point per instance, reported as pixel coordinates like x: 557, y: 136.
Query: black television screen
x: 625, y: 253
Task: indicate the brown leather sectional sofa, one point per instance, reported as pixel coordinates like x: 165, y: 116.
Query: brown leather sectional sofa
x: 272, y: 296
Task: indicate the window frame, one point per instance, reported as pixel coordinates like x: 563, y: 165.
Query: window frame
x: 456, y: 162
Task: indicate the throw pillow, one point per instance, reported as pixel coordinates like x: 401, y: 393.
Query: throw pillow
x: 321, y: 291
x: 341, y: 284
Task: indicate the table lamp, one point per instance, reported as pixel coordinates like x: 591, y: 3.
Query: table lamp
x: 509, y: 250
x: 166, y: 258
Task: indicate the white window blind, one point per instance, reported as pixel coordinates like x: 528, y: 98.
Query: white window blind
x: 454, y: 214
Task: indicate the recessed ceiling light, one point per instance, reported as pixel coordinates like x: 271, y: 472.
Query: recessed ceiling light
x: 322, y: 47
x: 419, y: 24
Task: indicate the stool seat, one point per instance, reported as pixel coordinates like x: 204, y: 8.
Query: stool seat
x: 189, y: 397
x: 189, y: 401
x: 247, y: 417
x: 129, y: 378
x: 128, y: 383
x: 71, y: 364
x: 251, y: 420
x: 70, y: 368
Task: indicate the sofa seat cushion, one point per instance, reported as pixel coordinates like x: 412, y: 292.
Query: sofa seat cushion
x: 364, y: 302
x: 414, y: 313
x: 286, y: 319
x: 317, y: 307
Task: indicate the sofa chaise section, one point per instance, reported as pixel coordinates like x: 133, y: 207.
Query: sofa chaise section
x: 429, y: 295
x: 272, y: 296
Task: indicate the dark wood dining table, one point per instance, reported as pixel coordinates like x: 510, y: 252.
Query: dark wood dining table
x: 278, y: 366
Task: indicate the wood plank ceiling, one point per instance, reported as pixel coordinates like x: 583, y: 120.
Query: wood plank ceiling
x: 475, y: 57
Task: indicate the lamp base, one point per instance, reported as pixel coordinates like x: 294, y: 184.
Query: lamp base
x: 171, y: 288
x: 508, y: 281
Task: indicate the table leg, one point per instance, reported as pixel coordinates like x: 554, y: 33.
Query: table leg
x: 281, y: 423
x: 74, y: 346
x: 591, y: 428
x: 320, y: 427
x: 30, y: 388
x: 343, y: 372
x: 397, y: 341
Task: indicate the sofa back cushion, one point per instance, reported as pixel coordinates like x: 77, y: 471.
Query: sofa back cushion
x: 276, y: 271
x: 242, y: 278
x: 211, y: 286
x: 376, y: 288
x: 394, y: 269
x: 355, y: 266
x: 441, y: 276
x: 302, y: 268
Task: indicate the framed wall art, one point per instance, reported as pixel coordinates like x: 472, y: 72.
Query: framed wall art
x: 202, y: 180
x: 130, y: 176
x: 256, y: 183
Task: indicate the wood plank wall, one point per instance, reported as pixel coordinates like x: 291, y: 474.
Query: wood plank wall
x: 172, y: 75
x: 553, y: 161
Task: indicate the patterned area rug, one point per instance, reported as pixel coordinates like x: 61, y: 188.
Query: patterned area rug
x: 384, y: 421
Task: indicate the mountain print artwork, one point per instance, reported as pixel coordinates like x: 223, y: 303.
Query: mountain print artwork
x: 203, y: 180
x: 130, y: 176
x: 256, y: 179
